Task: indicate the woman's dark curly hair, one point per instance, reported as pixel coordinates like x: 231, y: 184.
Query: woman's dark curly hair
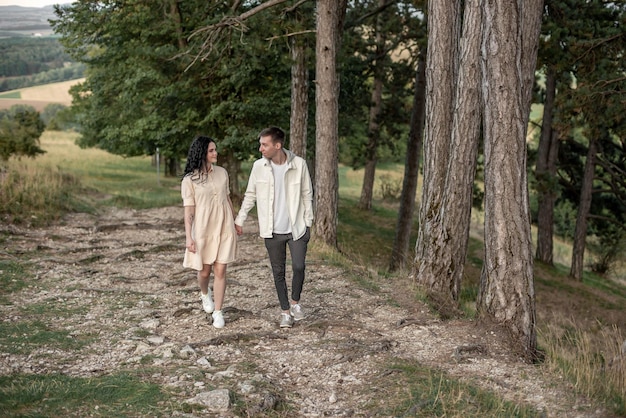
x: 196, y: 158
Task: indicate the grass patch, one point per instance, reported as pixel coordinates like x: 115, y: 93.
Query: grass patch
x: 12, y: 276
x: 24, y: 337
x: 11, y: 95
x: 366, y: 236
x: 430, y: 393
x: 69, y: 179
x: 36, y: 194
x: 592, y: 360
x: 55, y: 395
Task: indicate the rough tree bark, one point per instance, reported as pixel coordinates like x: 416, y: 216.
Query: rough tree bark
x: 400, y: 250
x: 456, y: 208
x: 330, y: 17
x: 299, y: 99
x: 441, y: 75
x: 506, y: 294
x: 441, y: 268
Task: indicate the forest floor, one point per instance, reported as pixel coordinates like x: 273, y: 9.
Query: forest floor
x: 118, y: 276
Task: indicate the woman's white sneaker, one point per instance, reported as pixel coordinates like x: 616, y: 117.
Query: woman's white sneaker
x: 207, y: 302
x: 218, y: 319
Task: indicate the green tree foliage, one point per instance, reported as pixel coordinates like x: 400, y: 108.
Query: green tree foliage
x: 70, y: 72
x: 27, y: 56
x: 26, y: 62
x: 145, y: 90
x: 20, y: 129
x: 584, y: 42
x: 404, y: 27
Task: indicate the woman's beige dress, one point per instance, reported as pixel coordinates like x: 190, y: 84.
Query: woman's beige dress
x: 214, y: 227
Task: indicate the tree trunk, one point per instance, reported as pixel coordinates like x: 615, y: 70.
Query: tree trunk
x: 172, y: 166
x: 441, y: 66
x: 578, y: 250
x: 329, y: 22
x: 545, y: 174
x: 506, y: 293
x: 456, y: 208
x: 299, y: 99
x: 373, y: 129
x: 400, y: 251
x: 443, y: 262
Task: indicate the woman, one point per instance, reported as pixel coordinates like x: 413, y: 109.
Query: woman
x: 211, y: 239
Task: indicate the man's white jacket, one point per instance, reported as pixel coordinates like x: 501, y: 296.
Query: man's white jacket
x: 298, y: 192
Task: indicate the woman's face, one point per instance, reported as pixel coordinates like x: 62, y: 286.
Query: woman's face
x: 211, y: 154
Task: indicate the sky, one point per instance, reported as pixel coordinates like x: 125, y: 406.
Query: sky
x: 31, y: 3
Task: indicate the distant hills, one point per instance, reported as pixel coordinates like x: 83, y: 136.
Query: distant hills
x: 26, y: 21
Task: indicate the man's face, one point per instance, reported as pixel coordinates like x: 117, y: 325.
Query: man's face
x: 268, y: 148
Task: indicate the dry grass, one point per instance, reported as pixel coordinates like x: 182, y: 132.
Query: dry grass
x: 40, y: 96
x: 593, y: 360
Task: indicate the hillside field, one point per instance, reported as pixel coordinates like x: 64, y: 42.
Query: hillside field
x: 39, y: 96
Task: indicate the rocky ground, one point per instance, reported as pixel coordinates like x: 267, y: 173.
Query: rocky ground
x: 121, y: 273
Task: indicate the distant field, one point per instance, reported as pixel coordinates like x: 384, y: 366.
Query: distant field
x: 39, y: 96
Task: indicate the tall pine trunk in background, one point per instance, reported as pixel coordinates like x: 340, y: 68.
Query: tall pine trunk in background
x: 580, y: 233
x: 509, y: 50
x: 373, y: 128
x: 545, y: 174
x: 330, y: 17
x: 400, y: 250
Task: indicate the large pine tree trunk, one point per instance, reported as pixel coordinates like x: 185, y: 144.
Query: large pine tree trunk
x: 455, y: 212
x: 506, y: 293
x: 299, y: 99
x: 330, y: 15
x: 442, y: 266
x: 400, y: 251
x: 442, y: 57
x: 545, y: 174
x: 373, y: 129
x: 580, y: 234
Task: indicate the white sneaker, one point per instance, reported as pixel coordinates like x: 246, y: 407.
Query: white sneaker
x: 297, y: 312
x: 286, y: 321
x: 207, y: 302
x: 218, y: 319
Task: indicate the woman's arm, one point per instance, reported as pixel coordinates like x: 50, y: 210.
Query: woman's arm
x: 190, y: 214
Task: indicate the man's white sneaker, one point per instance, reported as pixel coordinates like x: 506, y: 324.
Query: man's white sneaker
x: 297, y: 312
x: 286, y: 321
x: 218, y: 319
x: 207, y: 302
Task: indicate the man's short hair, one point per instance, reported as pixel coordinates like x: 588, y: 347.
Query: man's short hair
x: 276, y: 133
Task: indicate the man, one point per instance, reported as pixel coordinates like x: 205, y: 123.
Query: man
x: 280, y: 185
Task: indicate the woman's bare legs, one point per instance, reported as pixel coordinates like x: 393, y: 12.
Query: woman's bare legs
x: 219, y: 284
x: 203, y: 278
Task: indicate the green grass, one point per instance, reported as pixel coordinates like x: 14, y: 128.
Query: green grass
x: 56, y: 395
x: 11, y: 95
x: 70, y: 179
x: 24, y: 337
x: 12, y: 279
x: 430, y: 393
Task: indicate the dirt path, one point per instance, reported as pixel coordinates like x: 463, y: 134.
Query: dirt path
x: 124, y: 270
